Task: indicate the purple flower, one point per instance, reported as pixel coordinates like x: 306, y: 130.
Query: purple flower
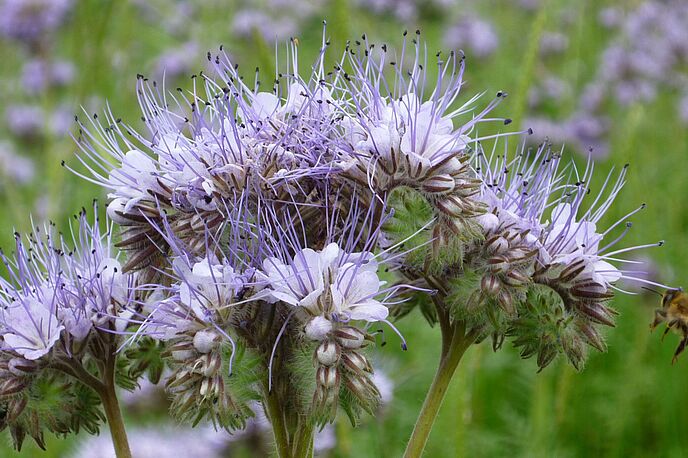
x: 29, y: 20
x: 474, y: 35
x: 55, y: 288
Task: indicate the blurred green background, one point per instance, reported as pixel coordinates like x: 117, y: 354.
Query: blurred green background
x: 628, y: 402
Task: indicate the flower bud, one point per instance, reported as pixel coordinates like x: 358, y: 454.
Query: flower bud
x: 115, y: 211
x: 211, y: 364
x: 596, y: 312
x: 439, y: 184
x: 450, y: 206
x: 506, y: 302
x: 12, y: 386
x: 488, y: 221
x: 182, y: 355
x: 350, y: 337
x: 206, y: 340
x: 356, y: 362
x: 327, y: 377
x: 318, y: 328
x: 496, y: 244
x: 490, y: 285
x: 327, y: 353
x: 20, y: 367
x: 516, y: 278
x: 498, y: 264
x: 15, y: 407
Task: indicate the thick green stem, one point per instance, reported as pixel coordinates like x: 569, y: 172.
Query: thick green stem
x: 114, y: 418
x: 303, y: 447
x: 279, y: 427
x: 459, y: 341
x: 108, y: 397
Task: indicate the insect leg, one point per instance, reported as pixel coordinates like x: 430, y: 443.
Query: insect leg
x: 681, y: 347
x: 670, y: 325
x: 660, y: 316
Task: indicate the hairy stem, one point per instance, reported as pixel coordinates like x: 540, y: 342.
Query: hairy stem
x: 115, y: 422
x: 108, y: 397
x: 458, y: 341
x: 279, y: 427
x: 303, y: 446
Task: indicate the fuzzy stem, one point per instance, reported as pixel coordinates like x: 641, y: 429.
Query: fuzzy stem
x: 459, y: 341
x: 303, y: 448
x: 279, y: 428
x: 114, y: 418
x: 108, y: 397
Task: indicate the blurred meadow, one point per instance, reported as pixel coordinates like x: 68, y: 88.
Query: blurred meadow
x: 611, y: 76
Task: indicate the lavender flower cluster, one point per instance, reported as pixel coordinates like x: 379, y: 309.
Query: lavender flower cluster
x: 266, y: 234
x: 647, y: 54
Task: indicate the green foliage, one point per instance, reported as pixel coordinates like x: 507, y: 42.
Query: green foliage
x: 545, y: 329
x: 51, y: 402
x: 411, y: 213
x: 143, y: 357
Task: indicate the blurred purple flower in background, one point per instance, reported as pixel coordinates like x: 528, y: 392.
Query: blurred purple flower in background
x: 475, y: 36
x: 38, y: 74
x: 13, y: 166
x: 28, y: 20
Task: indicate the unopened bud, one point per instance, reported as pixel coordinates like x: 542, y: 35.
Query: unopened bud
x: 450, y: 206
x: 498, y: 264
x: 439, y: 184
x: 21, y: 367
x: 490, y: 285
x: 327, y: 377
x: 496, y: 244
x: 327, y: 353
x: 318, y: 328
x: 15, y: 407
x: 115, y: 211
x: 350, y: 337
x: 356, y: 362
x: 488, y: 221
x: 516, y: 278
x: 506, y: 302
x: 12, y: 386
x: 211, y: 364
x: 182, y: 355
x: 206, y: 340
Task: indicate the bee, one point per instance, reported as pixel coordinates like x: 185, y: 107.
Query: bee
x: 674, y: 313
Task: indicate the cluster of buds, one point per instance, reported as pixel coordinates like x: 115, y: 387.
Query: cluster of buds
x: 342, y: 370
x: 504, y: 261
x: 197, y: 384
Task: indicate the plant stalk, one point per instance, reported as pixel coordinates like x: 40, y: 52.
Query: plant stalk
x: 459, y: 341
x: 115, y: 422
x: 303, y: 448
x: 279, y: 427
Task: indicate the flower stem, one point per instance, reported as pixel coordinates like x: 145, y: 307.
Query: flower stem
x: 115, y: 422
x: 108, y: 397
x: 459, y: 341
x: 279, y: 428
x: 303, y: 448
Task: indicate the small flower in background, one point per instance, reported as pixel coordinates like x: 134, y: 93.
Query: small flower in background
x: 176, y: 62
x: 25, y: 120
x: 17, y: 168
x: 475, y: 36
x: 29, y: 21
x: 39, y: 75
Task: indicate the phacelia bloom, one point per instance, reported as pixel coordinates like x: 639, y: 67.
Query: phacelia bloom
x: 540, y: 231
x: 58, y: 292
x: 330, y: 283
x: 400, y: 137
